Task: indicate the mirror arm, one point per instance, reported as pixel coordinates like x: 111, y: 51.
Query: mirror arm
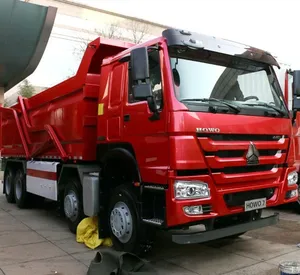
x: 294, y: 115
x: 152, y: 106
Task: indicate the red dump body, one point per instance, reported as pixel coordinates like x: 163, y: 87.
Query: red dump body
x: 63, y: 117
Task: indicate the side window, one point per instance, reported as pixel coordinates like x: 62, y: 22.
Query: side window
x: 116, y: 85
x: 155, y: 79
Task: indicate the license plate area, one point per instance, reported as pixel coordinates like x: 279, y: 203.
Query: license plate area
x: 255, y: 204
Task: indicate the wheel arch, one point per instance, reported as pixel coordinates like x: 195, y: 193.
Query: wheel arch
x: 125, y: 156
x: 112, y: 158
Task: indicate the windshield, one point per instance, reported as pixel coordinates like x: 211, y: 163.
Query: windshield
x: 237, y: 84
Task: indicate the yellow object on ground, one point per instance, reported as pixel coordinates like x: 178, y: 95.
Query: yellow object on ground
x: 87, y: 233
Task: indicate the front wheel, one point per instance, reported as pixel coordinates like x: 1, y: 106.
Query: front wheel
x: 126, y: 231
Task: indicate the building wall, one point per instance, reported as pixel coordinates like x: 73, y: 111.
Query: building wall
x: 74, y: 27
x: 76, y: 21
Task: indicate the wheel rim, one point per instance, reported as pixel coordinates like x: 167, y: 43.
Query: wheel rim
x: 71, y: 202
x: 121, y: 222
x: 18, y: 187
x: 8, y: 186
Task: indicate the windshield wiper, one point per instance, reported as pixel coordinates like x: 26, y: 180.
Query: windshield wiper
x: 233, y: 107
x: 267, y: 106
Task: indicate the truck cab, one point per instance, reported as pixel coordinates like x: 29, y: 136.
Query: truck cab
x: 208, y: 125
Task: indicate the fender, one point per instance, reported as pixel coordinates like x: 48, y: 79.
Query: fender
x: 125, y: 155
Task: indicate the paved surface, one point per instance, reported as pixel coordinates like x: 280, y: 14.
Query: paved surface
x: 36, y: 241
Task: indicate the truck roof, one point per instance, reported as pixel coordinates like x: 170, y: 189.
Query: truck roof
x: 179, y: 38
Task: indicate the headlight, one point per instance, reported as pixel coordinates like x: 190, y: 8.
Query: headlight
x: 292, y: 178
x: 191, y: 190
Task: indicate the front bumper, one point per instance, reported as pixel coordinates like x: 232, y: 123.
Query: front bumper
x: 216, y: 203
x: 200, y: 237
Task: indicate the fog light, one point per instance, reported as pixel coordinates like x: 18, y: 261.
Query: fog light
x: 193, y: 210
x: 292, y: 178
x: 291, y: 194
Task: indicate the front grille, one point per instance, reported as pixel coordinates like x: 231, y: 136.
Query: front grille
x: 239, y: 198
x: 241, y: 153
x: 206, y: 208
x: 241, y: 137
x: 192, y: 172
x: 246, y: 169
x: 226, y: 155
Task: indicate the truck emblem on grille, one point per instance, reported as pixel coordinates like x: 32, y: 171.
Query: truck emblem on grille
x: 252, y: 155
x: 208, y: 130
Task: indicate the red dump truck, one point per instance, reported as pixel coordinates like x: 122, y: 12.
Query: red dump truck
x: 182, y: 130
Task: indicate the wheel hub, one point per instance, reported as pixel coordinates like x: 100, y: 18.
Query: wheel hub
x: 121, y: 222
x: 71, y: 206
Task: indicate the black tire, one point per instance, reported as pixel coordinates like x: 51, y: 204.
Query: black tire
x: 74, y: 191
x: 22, y: 197
x: 9, y: 178
x: 137, y: 239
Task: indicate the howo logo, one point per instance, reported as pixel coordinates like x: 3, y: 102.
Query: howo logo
x: 208, y: 130
x: 252, y: 155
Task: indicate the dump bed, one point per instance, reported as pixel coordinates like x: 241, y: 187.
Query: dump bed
x: 60, y: 122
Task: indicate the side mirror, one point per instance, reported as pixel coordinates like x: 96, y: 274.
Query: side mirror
x: 296, y: 90
x: 140, y: 73
x: 296, y: 83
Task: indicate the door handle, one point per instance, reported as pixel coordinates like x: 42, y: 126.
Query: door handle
x: 126, y: 117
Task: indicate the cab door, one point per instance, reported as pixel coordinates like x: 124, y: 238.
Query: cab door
x: 147, y: 134
x: 115, y: 110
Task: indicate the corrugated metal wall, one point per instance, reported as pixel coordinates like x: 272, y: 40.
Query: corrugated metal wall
x: 256, y: 84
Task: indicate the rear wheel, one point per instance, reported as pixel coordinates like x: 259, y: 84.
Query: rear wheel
x: 126, y: 231
x: 9, y: 185
x: 21, y: 195
x: 73, y: 208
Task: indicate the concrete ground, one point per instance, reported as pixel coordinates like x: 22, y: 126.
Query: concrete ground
x: 37, y: 241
